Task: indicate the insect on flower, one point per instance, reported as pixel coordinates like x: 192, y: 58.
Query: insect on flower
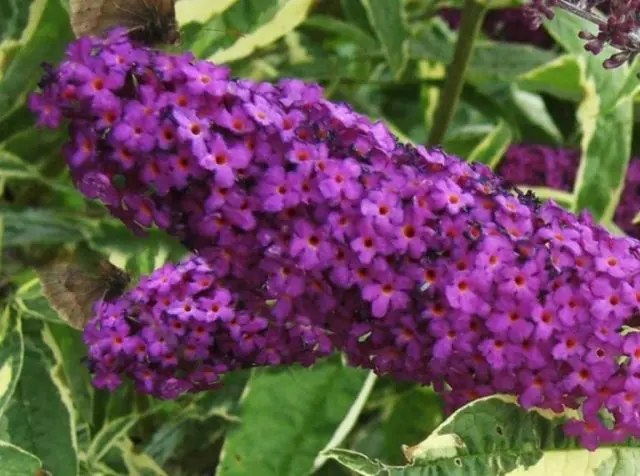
x: 148, y: 21
x: 74, y: 284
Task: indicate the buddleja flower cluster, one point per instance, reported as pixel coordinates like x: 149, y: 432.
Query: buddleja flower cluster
x: 182, y: 328
x: 620, y: 28
x: 538, y: 165
x: 316, y: 228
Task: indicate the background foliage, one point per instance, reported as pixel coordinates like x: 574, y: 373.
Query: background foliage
x: 386, y: 58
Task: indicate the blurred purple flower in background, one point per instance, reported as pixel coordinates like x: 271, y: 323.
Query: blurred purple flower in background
x: 555, y: 167
x: 512, y: 25
x: 317, y: 230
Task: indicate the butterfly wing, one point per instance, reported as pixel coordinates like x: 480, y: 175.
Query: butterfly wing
x: 95, y: 17
x: 71, y: 291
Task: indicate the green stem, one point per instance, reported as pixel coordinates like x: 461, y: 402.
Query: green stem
x: 472, y: 17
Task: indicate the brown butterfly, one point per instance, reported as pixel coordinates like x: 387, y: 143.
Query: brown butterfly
x: 73, y: 285
x: 148, y: 21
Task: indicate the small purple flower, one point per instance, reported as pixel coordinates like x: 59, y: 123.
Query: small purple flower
x: 608, y: 301
x: 263, y: 112
x: 276, y: 192
x: 100, y: 82
x: 108, y: 380
x: 568, y: 347
x: 522, y: 283
x: 509, y: 320
x: 49, y: 114
x: 382, y: 209
x: 236, y: 120
x: 186, y: 309
x: 368, y: 243
x: 224, y: 161
x: 172, y: 388
x: 341, y: 178
x: 193, y: 130
x: 309, y: 245
x: 588, y: 432
x: 387, y: 295
x: 494, y: 351
x: 612, y: 259
x: 205, y: 78
x: 84, y: 148
x: 137, y: 133
x: 460, y: 293
x: 450, y: 196
x: 98, y: 185
x: 218, y: 307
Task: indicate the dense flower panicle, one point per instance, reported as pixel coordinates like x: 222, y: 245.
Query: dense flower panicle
x: 554, y: 167
x: 180, y: 330
x: 415, y: 263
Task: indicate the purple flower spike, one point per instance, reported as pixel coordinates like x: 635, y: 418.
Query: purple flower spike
x: 156, y: 333
x: 325, y: 232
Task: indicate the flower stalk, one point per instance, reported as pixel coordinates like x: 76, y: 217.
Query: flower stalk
x: 473, y: 15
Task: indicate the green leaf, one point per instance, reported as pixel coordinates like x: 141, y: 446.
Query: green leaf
x: 288, y: 417
x: 355, y: 14
x: 330, y: 68
x: 69, y: 350
x: 495, y: 436
x: 187, y: 442
x: 14, y: 16
x: 359, y: 463
x: 41, y: 226
x: 504, y: 61
x: 30, y: 300
x: 342, y: 29
x: 636, y: 219
x: 413, y: 415
x: 51, y: 33
x: 13, y: 167
x: 209, y: 413
x: 387, y: 19
x: 493, y: 146
x: 606, y: 150
x: 606, y: 121
x: 14, y: 461
x: 491, y: 63
x: 34, y: 146
x: 532, y: 107
x: 121, y: 403
x: 462, y: 139
x: 138, y: 256
x: 222, y: 402
x: 139, y: 463
x: 560, y: 78
x: 349, y: 421
x: 108, y: 436
x: 11, y: 355
x: 40, y: 414
x: 200, y: 11
x: 261, y: 22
